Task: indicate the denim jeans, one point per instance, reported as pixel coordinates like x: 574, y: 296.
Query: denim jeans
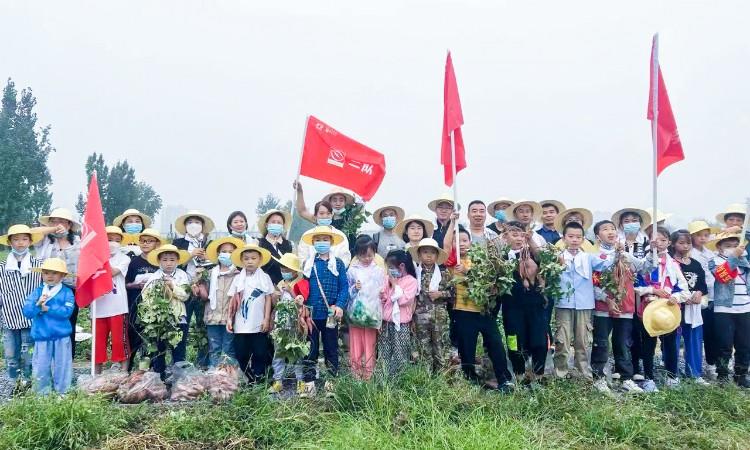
x: 219, y: 343
x: 18, y: 345
x: 53, y: 366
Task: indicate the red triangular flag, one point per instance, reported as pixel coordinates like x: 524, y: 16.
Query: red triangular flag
x: 94, y: 277
x: 453, y: 118
x: 330, y: 156
x: 668, y: 145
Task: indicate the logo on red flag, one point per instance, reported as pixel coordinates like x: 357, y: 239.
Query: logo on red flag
x: 337, y: 159
x: 93, y: 277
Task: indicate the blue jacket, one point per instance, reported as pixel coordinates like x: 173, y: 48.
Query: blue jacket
x: 724, y: 292
x: 335, y: 288
x: 54, y: 323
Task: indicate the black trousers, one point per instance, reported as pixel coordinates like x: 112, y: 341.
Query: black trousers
x: 330, y: 338
x: 732, y: 332
x: 469, y: 325
x: 710, y: 347
x: 526, y: 327
x: 621, y: 330
x: 251, y: 350
x: 73, y: 322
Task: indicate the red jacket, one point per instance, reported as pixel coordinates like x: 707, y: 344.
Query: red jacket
x: 628, y: 302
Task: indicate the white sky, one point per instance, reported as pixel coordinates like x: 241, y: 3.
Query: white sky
x: 208, y: 99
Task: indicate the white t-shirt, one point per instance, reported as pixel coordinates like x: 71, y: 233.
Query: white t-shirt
x: 116, y: 302
x: 254, y: 288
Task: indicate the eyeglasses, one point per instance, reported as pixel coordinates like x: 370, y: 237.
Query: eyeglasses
x: 148, y: 241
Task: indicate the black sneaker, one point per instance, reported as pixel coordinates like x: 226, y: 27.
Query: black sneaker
x: 506, y: 388
x: 742, y: 381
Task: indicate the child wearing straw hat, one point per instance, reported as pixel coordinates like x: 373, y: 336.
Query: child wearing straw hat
x: 17, y: 281
x: 731, y: 306
x: 49, y: 308
x: 323, y: 217
x: 579, y: 215
x: 701, y: 233
x: 249, y: 316
x: 112, y: 308
x: 216, y: 298
x: 139, y: 271
x: 387, y: 239
x: 344, y: 207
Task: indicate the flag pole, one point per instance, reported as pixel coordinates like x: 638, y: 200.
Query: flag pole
x: 296, y: 180
x: 93, y: 313
x: 455, y: 198
x: 654, y: 125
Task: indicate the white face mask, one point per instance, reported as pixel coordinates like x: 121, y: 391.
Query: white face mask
x: 193, y: 228
x: 728, y: 252
x: 114, y: 247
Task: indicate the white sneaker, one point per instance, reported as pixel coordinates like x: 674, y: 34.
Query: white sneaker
x: 309, y: 390
x: 701, y: 382
x: 601, y: 386
x: 672, y: 382
x: 630, y: 387
x: 649, y: 386
x: 710, y: 372
x: 615, y: 376
x: 638, y: 377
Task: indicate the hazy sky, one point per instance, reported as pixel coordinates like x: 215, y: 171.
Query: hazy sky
x: 208, y: 99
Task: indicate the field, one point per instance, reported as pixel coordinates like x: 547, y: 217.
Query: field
x: 415, y: 411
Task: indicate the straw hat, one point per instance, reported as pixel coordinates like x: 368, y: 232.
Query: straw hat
x: 660, y: 217
x: 265, y: 255
x: 263, y: 220
x: 290, y: 261
x: 182, y: 255
x: 645, y: 217
x: 536, y: 209
x: 558, y: 204
x: 700, y: 225
x: 446, y: 197
x: 53, y: 265
x: 61, y: 213
x: 150, y: 232
x: 212, y: 251
x: 132, y: 212
x: 734, y: 208
x: 340, y: 191
x: 20, y: 229
x: 429, y: 228
x: 431, y: 243
x: 714, y: 243
x: 660, y: 318
x: 588, y: 218
x: 115, y: 230
x: 379, y: 220
x: 323, y: 230
x: 179, y: 223
x: 502, y: 200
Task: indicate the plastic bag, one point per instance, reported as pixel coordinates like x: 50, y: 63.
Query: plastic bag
x: 105, y: 383
x: 188, y: 383
x: 141, y: 386
x: 223, y: 381
x: 365, y: 310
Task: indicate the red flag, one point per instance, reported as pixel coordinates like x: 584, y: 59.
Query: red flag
x: 453, y: 118
x: 94, y: 273
x: 334, y: 158
x: 668, y: 145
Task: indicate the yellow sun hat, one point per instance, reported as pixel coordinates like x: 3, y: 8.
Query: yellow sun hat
x: 263, y: 220
x: 660, y: 317
x: 700, y: 225
x: 536, y: 209
x: 111, y: 229
x: 290, y: 261
x: 179, y: 223
x: 428, y: 243
x: 348, y: 195
x: 588, y: 218
x: 212, y: 251
x: 497, y: 202
x: 61, y: 213
x: 400, y: 228
x: 322, y: 230
x: 132, y: 212
x: 182, y: 255
x: 265, y: 255
x: 20, y: 229
x: 734, y: 208
x: 53, y: 265
x: 714, y: 243
x: 150, y: 232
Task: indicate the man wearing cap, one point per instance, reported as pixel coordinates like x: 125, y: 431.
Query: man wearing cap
x: 443, y: 207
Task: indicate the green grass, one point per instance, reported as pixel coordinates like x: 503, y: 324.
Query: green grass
x: 416, y: 411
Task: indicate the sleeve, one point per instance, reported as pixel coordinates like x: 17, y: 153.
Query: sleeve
x: 302, y: 287
x: 63, y: 309
x: 446, y: 284
x: 408, y: 288
x: 725, y: 272
x: 343, y: 285
x: 234, y: 303
x: 598, y: 263
x: 701, y: 284
x: 642, y: 287
x: 30, y: 309
x: 351, y: 282
x: 130, y: 274
x: 682, y: 294
x: 122, y: 264
x: 451, y: 261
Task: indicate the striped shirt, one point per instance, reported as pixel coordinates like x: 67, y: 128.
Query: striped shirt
x: 741, y: 300
x: 14, y: 289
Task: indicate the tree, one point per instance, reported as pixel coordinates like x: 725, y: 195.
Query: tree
x: 298, y: 226
x: 24, y: 149
x: 119, y: 189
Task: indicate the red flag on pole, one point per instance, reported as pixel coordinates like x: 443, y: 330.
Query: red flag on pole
x: 329, y: 156
x: 94, y: 273
x: 453, y: 118
x: 668, y: 145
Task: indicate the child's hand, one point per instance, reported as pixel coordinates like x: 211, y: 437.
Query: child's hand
x: 338, y: 312
x: 454, y: 216
x: 696, y: 298
x: 672, y: 301
x: 739, y: 251
x: 358, y: 285
x: 60, y: 229
x: 435, y: 295
x: 392, y: 281
x: 230, y: 327
x: 613, y: 307
x: 735, y: 229
x: 661, y: 293
x: 265, y: 326
x: 198, y: 252
x: 42, y: 300
x: 460, y: 269
x: 44, y: 307
x: 299, y: 300
x: 297, y: 186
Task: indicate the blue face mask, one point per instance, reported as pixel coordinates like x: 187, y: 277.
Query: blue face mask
x: 60, y: 235
x: 395, y: 273
x: 238, y: 234
x: 325, y: 222
x: 132, y: 228
x: 389, y: 222
x: 19, y: 253
x: 500, y: 215
x: 287, y: 276
x: 225, y: 258
x: 275, y: 229
x: 631, y: 228
x: 322, y: 247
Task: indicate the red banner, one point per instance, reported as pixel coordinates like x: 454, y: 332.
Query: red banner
x: 94, y: 273
x: 337, y: 159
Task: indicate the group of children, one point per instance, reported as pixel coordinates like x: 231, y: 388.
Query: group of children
x: 397, y: 297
